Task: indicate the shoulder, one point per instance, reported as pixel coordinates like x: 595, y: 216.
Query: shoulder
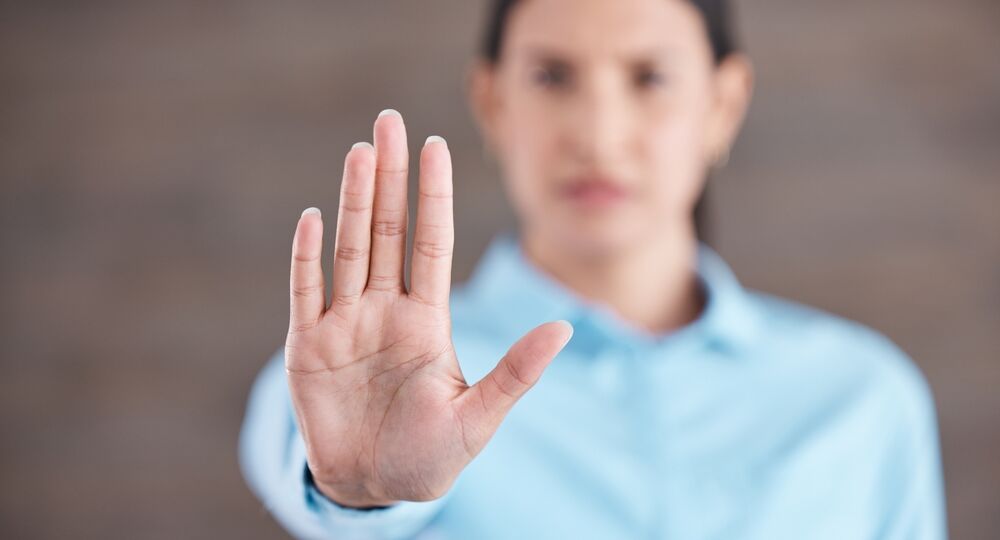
x: 832, y: 348
x: 865, y: 403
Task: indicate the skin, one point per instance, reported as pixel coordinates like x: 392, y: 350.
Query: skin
x: 622, y: 91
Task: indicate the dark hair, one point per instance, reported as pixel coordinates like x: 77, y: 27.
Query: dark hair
x: 716, y: 14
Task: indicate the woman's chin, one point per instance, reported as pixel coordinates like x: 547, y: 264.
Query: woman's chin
x: 598, y: 238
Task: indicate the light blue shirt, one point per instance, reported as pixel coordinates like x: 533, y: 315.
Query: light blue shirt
x: 762, y: 419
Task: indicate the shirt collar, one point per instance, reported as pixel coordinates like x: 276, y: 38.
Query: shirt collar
x: 519, y: 296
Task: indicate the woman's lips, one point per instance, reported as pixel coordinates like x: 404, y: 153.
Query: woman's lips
x: 595, y: 193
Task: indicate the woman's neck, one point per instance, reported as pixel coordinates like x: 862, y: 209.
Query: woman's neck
x: 652, y: 285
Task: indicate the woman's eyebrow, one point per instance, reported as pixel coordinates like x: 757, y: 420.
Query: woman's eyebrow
x: 545, y: 53
x: 660, y: 55
x: 638, y: 57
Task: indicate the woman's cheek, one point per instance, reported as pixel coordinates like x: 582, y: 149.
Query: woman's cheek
x: 530, y: 191
x: 678, y: 163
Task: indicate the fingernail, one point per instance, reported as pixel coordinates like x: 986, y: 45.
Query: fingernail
x: 311, y: 210
x: 362, y: 144
x: 389, y: 111
x: 435, y: 139
x: 567, y: 325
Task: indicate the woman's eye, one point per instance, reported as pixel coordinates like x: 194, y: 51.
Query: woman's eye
x: 647, y: 78
x: 551, y: 76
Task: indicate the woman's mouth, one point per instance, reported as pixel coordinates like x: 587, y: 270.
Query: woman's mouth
x: 595, y: 193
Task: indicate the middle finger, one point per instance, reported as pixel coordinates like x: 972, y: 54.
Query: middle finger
x: 389, y: 214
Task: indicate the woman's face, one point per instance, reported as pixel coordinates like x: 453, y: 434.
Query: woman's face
x: 604, y: 115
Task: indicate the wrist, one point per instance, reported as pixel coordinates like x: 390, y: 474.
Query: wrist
x: 353, y: 499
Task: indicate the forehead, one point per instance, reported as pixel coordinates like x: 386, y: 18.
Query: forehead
x: 597, y: 28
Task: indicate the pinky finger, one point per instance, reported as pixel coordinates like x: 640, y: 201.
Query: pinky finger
x: 307, y: 293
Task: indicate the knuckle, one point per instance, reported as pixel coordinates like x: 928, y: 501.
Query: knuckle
x: 432, y: 250
x: 416, y: 297
x: 435, y: 195
x: 348, y: 253
x: 388, y: 227
x: 515, y: 375
x: 300, y: 257
x: 346, y: 299
x: 503, y: 387
x: 356, y: 208
x: 306, y: 290
x: 380, y: 282
x: 347, y: 193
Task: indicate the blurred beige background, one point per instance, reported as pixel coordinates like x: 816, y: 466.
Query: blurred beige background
x: 154, y: 157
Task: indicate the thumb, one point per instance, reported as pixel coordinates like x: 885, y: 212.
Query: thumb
x: 485, y: 404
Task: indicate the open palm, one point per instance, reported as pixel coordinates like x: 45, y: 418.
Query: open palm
x: 380, y: 398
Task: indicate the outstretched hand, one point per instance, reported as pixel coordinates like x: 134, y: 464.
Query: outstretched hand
x: 380, y: 398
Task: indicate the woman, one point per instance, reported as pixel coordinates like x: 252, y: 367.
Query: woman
x: 683, y: 406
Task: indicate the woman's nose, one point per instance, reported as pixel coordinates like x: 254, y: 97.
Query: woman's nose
x: 599, y: 130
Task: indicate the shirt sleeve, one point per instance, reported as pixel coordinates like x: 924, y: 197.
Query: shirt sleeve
x: 273, y: 460
x: 916, y: 503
